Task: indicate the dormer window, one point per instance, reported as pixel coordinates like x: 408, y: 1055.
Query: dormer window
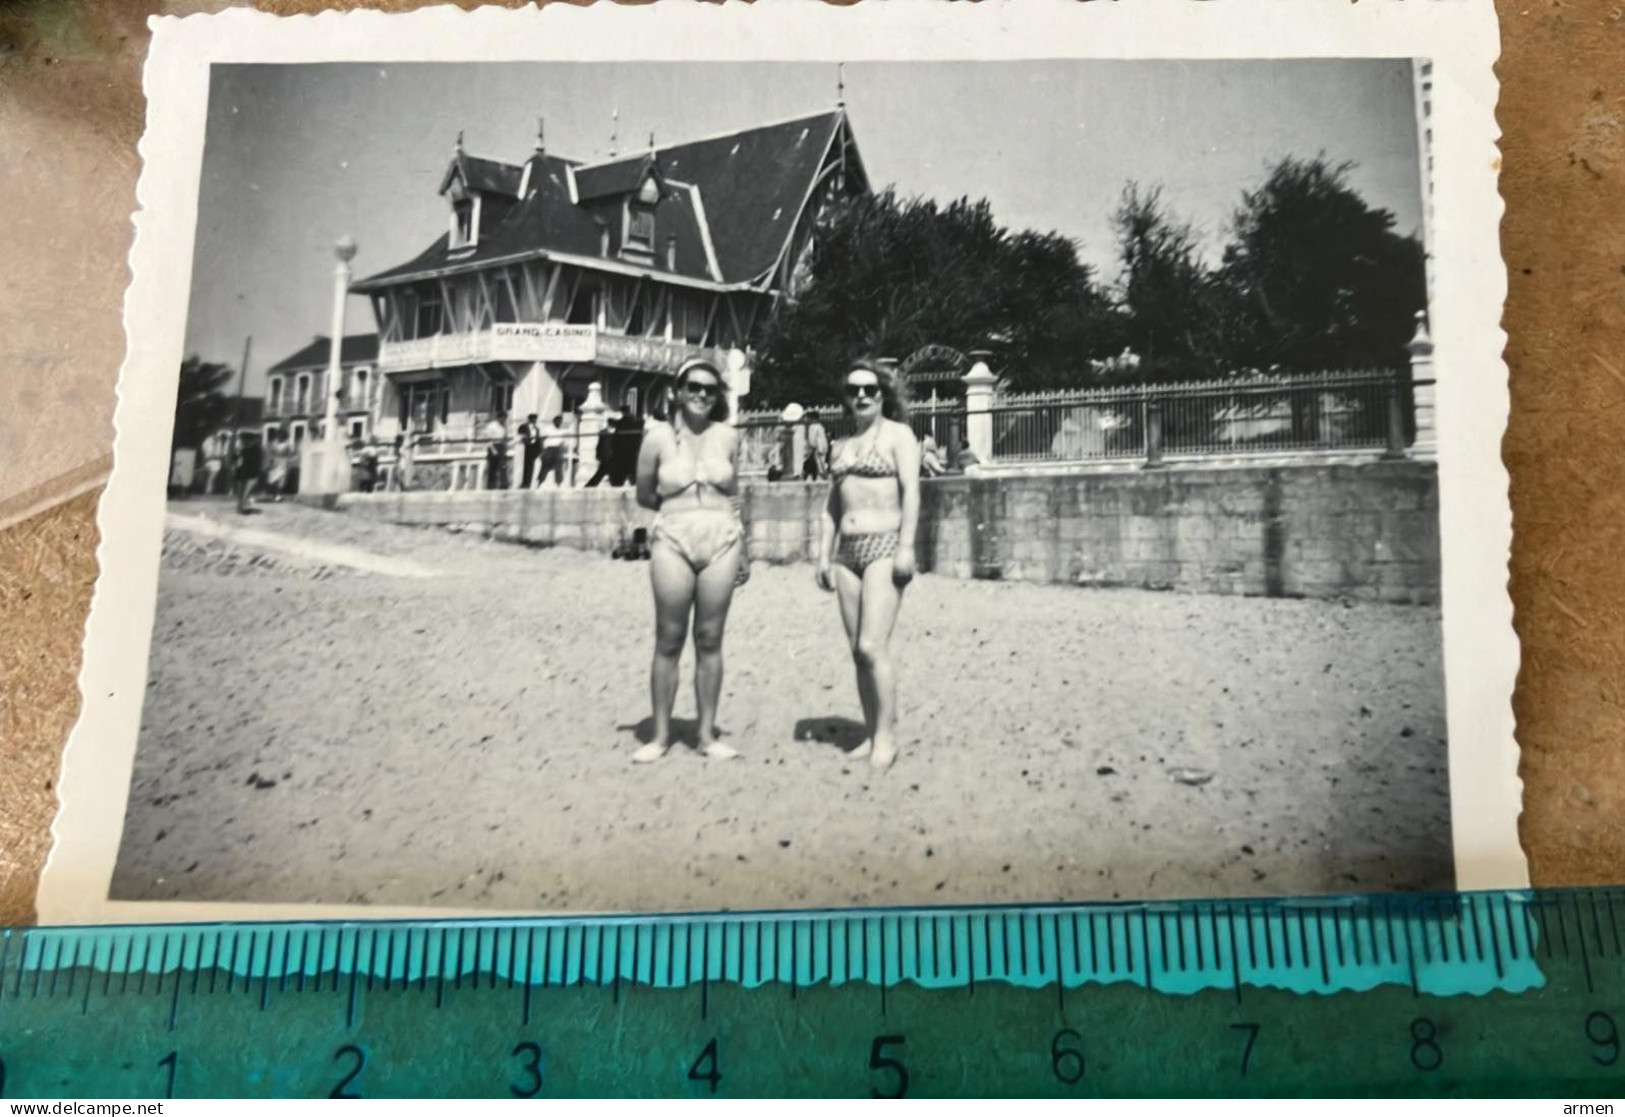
x: 640, y: 219
x: 465, y: 214
x: 640, y: 230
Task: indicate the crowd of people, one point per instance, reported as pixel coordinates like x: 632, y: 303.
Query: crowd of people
x: 246, y: 465
x: 536, y: 454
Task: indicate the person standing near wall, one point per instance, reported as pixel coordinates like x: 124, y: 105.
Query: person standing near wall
x: 400, y: 477
x: 367, y: 472
x: 604, y: 451
x: 530, y: 438
x: 212, y: 466
x: 866, y: 540
x: 281, y: 454
x: 554, y: 452
x: 496, y: 452
x: 627, y: 441
x: 817, y: 462
x: 250, y: 460
x: 931, y: 460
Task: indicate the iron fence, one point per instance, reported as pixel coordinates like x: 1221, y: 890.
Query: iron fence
x: 1311, y: 412
x: 767, y: 442
x: 1366, y: 410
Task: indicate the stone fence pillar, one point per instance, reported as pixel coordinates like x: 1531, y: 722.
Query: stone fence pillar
x: 1153, y: 434
x: 1422, y: 389
x: 592, y: 427
x: 979, y: 383
x: 797, y: 465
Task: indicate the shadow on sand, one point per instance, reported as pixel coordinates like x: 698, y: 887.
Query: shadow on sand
x: 839, y: 733
x: 684, y: 732
x: 843, y: 733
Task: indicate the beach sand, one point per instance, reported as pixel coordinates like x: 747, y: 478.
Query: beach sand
x: 322, y: 733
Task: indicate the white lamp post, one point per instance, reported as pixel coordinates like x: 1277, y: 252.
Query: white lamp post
x: 739, y: 370
x: 335, y: 477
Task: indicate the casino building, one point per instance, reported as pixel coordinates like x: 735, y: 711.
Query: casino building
x: 566, y: 286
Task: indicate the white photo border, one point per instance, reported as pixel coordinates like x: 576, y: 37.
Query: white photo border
x: 1460, y: 37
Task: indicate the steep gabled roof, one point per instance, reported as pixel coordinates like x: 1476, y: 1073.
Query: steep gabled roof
x: 754, y: 183
x: 486, y: 175
x: 546, y: 218
x: 732, y: 201
x: 355, y: 349
x: 610, y: 179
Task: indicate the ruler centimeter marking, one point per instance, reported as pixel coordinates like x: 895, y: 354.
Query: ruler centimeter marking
x: 1490, y: 944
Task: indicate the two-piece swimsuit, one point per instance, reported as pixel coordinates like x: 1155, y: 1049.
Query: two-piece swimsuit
x: 858, y: 551
x: 700, y: 533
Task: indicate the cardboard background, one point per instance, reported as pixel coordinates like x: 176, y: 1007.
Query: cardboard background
x: 71, y: 115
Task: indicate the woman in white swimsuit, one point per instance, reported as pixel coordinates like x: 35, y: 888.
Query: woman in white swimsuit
x: 688, y: 474
x: 873, y: 511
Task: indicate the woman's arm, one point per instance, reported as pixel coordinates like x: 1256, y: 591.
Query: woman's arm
x: 649, y: 469
x: 827, y: 522
x: 733, y: 462
x: 907, y: 453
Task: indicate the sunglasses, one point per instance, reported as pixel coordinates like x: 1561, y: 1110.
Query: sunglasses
x: 853, y: 391
x: 694, y: 389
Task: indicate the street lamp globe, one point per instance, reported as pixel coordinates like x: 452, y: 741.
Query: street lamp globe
x: 344, y: 248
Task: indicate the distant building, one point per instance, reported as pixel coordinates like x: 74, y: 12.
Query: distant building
x: 556, y: 275
x: 296, y: 387
x: 1422, y: 81
x: 245, y: 415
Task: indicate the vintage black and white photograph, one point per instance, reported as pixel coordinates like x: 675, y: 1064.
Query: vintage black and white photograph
x: 691, y: 484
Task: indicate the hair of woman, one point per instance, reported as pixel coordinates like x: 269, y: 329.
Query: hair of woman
x: 893, y: 388
x: 719, y: 409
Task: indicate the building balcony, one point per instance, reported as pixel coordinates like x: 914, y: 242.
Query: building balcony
x: 539, y: 341
x: 314, y: 409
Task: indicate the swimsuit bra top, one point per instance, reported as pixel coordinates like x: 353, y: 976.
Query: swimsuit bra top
x: 690, y: 470
x: 869, y: 462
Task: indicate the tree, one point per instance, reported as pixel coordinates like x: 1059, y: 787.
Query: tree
x: 1320, y: 279
x: 1060, y: 317
x: 201, y: 406
x: 1173, y: 306
x: 887, y: 277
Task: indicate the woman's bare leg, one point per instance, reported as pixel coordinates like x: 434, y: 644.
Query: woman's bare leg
x: 674, y: 583
x: 713, y: 594
x: 849, y: 594
x: 881, y: 598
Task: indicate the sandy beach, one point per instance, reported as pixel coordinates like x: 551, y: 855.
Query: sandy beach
x: 317, y: 731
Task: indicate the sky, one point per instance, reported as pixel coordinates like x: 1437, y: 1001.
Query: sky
x: 297, y: 155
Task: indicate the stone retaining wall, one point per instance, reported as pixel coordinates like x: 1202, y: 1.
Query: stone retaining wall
x: 1367, y: 531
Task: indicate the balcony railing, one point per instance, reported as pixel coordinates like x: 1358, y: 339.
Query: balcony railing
x: 538, y: 341
x: 314, y: 407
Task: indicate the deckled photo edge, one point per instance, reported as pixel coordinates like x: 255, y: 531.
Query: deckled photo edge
x: 1475, y: 520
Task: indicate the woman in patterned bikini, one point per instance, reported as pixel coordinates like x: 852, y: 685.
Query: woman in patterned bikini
x: 866, y: 540
x: 688, y: 474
